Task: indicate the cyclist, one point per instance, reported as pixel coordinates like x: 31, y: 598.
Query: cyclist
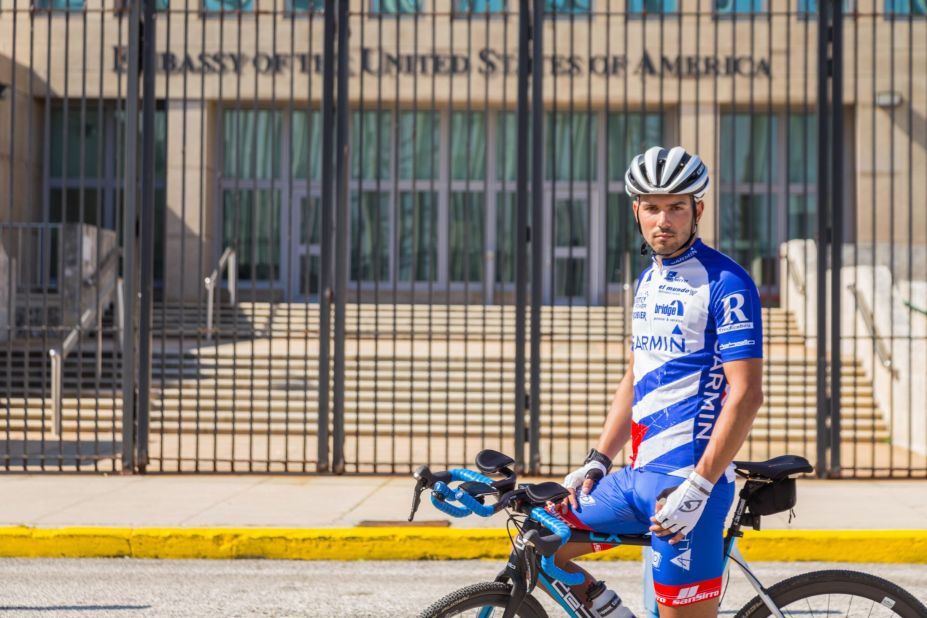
x: 687, y: 402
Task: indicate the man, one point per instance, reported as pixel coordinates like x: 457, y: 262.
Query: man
x: 687, y: 401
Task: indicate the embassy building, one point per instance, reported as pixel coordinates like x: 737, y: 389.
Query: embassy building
x: 433, y: 136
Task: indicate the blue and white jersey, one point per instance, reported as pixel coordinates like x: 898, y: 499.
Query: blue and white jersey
x: 700, y: 310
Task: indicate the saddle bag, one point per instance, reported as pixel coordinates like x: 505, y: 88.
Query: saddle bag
x: 774, y: 497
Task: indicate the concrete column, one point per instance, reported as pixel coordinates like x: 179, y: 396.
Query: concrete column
x: 192, y: 207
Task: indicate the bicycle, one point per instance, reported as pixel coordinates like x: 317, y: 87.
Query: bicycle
x: 769, y: 489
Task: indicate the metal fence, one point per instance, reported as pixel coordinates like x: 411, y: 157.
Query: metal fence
x: 360, y: 235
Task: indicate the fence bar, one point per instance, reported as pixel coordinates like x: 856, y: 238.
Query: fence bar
x: 341, y: 237
x: 537, y: 228
x: 128, y: 236
x: 521, y: 226
x: 823, y: 404
x: 146, y: 229
x: 837, y: 211
x: 327, y: 205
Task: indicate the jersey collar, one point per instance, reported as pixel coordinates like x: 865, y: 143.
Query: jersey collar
x: 689, y: 253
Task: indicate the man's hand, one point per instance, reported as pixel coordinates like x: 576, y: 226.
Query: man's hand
x: 681, y: 508
x: 596, y: 467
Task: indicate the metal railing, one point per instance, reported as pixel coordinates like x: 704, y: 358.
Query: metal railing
x: 90, y: 317
x: 865, y: 311
x: 228, y: 261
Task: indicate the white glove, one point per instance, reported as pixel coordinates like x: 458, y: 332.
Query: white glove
x: 595, y: 468
x: 685, y: 504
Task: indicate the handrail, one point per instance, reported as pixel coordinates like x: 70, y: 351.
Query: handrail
x: 885, y: 355
x: 796, y: 276
x: 228, y: 261
x: 60, y: 353
x: 914, y: 307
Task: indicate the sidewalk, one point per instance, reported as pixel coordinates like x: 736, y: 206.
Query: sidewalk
x: 371, y: 511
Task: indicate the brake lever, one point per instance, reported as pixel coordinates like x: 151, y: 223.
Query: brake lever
x: 417, y: 496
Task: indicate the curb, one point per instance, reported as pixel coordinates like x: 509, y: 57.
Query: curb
x: 889, y: 546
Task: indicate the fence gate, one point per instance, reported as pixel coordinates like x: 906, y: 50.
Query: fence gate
x: 354, y: 236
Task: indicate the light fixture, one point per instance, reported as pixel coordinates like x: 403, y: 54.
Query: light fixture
x: 888, y: 98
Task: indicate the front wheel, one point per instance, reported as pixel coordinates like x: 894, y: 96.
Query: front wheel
x: 837, y: 594
x: 482, y: 601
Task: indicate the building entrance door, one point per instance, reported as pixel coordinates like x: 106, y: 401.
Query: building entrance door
x: 306, y: 246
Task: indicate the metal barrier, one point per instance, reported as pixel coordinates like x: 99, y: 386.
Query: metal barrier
x: 419, y: 207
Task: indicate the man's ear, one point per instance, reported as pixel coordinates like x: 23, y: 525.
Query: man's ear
x: 635, y: 206
x: 699, y: 209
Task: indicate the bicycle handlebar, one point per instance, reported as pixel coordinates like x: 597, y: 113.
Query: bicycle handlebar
x: 442, y: 494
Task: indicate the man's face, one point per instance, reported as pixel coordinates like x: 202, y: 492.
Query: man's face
x: 666, y: 220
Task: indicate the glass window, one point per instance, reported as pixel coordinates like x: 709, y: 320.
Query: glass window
x: 570, y: 144
x: 507, y: 146
x: 252, y: 143
x: 419, y: 145
x: 468, y: 146
x: 803, y: 149
x: 84, y: 137
x: 370, y: 245
x: 811, y: 6
x: 749, y: 231
x: 739, y: 7
x: 216, y: 6
x: 306, y: 145
x: 370, y: 145
x: 621, y: 237
x: 305, y: 6
x: 58, y: 5
x: 465, y: 237
x: 396, y: 7
x: 629, y: 135
x: 747, y: 148
x: 906, y: 7
x: 653, y: 6
x: 479, y: 6
x: 251, y: 219
x: 567, y: 6
x: 418, y: 238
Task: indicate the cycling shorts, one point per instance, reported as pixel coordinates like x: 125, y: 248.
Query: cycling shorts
x: 623, y: 502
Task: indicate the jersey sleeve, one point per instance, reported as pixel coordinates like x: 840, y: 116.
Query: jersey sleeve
x: 738, y: 317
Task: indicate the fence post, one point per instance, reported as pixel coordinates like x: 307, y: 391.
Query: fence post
x: 325, y: 292
x: 836, y: 246
x: 537, y: 226
x: 146, y: 231
x: 341, y: 238
x: 521, y: 244
x: 128, y: 239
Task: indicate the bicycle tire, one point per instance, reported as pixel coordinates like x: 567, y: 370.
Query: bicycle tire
x: 486, y: 594
x: 834, y: 590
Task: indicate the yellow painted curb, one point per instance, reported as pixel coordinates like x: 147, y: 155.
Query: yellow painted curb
x: 892, y: 546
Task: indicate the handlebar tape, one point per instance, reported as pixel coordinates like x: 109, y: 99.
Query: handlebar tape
x: 547, y: 562
x: 446, y: 507
x: 463, y: 474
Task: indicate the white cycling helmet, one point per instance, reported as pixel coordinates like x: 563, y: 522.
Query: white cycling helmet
x: 667, y: 172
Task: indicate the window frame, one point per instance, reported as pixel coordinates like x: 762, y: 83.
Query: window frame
x: 643, y: 13
x: 371, y: 13
x: 763, y: 13
x: 457, y: 13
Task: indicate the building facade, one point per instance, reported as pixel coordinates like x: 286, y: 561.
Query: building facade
x: 433, y: 134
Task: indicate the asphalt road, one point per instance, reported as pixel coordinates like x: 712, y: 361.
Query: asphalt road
x: 164, y: 588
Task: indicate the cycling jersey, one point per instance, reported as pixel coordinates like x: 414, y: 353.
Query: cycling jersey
x: 691, y: 315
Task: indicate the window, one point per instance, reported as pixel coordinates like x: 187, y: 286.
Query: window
x: 85, y: 175
x: 628, y: 135
x: 807, y: 8
x: 905, y: 8
x: 305, y: 6
x: 478, y: 7
x: 653, y: 6
x: 739, y: 7
x: 218, y: 6
x: 58, y: 5
x: 395, y: 7
x: 767, y: 188
x: 570, y: 146
x: 567, y: 7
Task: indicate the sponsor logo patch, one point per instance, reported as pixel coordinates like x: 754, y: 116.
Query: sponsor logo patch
x: 736, y: 344
x: 683, y: 560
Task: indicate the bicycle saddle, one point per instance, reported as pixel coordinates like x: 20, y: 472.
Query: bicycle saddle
x: 775, y: 468
x: 549, y: 491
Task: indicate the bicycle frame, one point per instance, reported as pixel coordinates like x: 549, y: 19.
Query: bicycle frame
x: 523, y: 571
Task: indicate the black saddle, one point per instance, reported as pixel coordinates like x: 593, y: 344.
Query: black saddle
x: 775, y: 468
x: 541, y: 493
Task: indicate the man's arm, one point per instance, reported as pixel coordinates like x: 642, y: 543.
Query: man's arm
x: 745, y: 378
x: 617, y: 429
